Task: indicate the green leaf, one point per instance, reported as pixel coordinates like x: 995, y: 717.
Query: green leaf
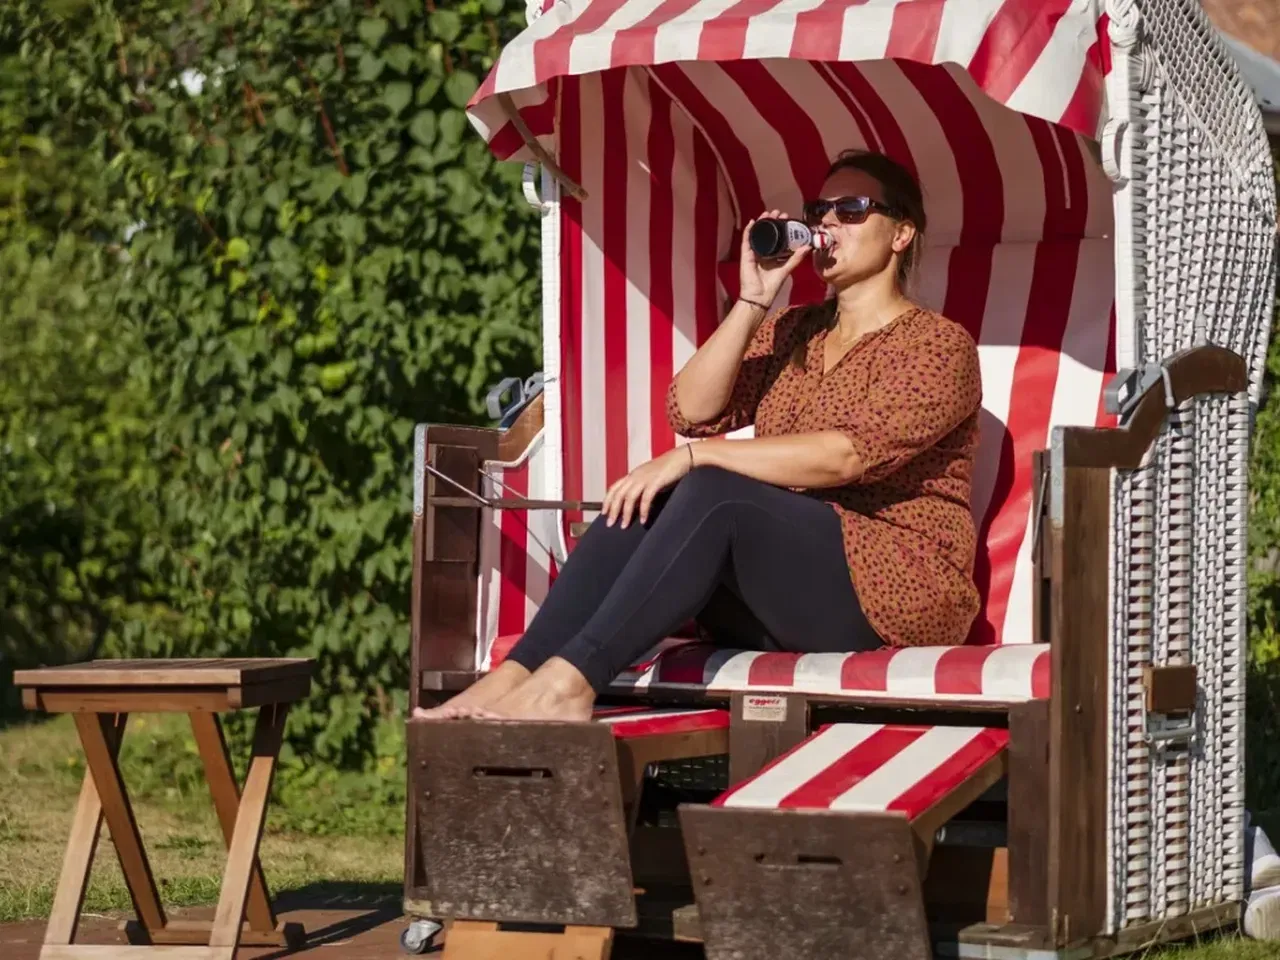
x: 275, y: 195
x: 356, y: 188
x: 372, y: 30
x: 370, y: 67
x: 396, y: 97
x: 453, y: 124
x: 400, y: 58
x: 423, y: 128
x: 446, y: 25
x: 428, y: 89
x: 237, y: 249
x: 460, y: 86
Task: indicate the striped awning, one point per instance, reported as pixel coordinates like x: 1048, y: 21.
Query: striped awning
x: 1043, y: 58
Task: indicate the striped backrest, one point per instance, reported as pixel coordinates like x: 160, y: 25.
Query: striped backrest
x: 1019, y: 252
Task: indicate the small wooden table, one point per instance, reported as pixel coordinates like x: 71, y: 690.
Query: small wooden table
x: 101, y: 695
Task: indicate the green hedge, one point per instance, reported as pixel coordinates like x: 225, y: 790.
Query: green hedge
x: 244, y: 247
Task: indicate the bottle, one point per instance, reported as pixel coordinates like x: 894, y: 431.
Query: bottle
x: 773, y: 239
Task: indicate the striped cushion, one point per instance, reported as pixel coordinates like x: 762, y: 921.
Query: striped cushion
x: 870, y: 768
x: 1005, y: 674
x: 631, y: 723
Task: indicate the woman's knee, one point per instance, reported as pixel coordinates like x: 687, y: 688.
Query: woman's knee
x: 707, y: 486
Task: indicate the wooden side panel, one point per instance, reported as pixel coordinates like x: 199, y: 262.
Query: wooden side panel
x: 1078, y: 711
x: 762, y: 727
x: 1029, y: 814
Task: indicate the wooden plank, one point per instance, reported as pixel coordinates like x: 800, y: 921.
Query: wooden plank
x: 113, y: 951
x: 82, y: 845
x: 165, y: 673
x: 927, y: 824
x: 448, y: 617
x: 196, y: 933
x: 452, y: 531
x: 763, y: 727
x: 1170, y: 689
x: 805, y: 884
x: 277, y: 691
x: 453, y: 680
x: 100, y: 758
x: 1078, y: 706
x: 1199, y: 921
x: 242, y: 851
x: 521, y: 822
x: 106, y: 701
x: 226, y: 803
x: 478, y: 940
x: 1028, y: 813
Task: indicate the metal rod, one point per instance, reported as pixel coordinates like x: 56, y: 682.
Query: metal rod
x: 513, y: 503
x: 454, y: 483
x: 473, y: 500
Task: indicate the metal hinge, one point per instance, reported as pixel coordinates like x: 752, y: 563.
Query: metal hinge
x: 1129, y: 386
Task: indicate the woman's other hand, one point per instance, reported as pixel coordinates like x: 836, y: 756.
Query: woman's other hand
x: 761, y: 280
x: 634, y: 493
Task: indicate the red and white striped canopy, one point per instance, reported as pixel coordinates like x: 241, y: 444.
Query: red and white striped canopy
x: 683, y: 119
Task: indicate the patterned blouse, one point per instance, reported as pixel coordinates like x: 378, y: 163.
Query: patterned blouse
x: 908, y: 396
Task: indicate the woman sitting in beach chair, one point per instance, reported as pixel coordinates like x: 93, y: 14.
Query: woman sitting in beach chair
x: 843, y: 525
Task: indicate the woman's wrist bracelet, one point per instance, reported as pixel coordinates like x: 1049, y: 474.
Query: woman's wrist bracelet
x: 755, y: 303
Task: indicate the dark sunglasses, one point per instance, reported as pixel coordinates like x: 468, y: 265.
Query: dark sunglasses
x: 848, y: 210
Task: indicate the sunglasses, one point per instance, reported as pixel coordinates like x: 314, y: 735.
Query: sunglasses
x: 848, y: 210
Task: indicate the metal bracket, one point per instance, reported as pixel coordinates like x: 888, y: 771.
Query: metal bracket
x: 522, y: 392
x: 529, y: 183
x: 1130, y: 385
x: 1174, y: 733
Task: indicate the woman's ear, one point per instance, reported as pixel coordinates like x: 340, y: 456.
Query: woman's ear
x: 903, y: 235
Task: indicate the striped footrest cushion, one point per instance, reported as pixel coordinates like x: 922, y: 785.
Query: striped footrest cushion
x: 867, y: 767
x: 632, y: 723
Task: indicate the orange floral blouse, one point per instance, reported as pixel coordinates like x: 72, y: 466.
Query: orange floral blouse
x: 908, y: 396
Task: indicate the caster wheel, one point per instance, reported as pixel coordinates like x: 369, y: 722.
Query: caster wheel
x: 418, y: 936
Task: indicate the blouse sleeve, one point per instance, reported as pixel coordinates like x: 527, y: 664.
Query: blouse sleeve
x: 926, y: 389
x: 757, y: 371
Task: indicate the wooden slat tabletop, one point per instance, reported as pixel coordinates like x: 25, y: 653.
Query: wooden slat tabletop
x: 165, y: 673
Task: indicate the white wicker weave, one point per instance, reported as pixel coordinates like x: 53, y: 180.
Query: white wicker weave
x: 1195, y: 222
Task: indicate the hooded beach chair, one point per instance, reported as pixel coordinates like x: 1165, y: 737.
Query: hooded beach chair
x: 1070, y: 781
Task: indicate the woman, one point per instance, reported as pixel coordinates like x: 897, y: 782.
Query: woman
x: 844, y: 524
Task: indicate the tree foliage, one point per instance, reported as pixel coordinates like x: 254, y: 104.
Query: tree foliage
x: 255, y: 243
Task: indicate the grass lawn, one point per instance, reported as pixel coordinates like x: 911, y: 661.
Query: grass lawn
x: 42, y: 766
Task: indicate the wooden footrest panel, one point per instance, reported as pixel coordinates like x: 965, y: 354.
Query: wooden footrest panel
x: 522, y: 822
x: 805, y: 885
x: 825, y: 847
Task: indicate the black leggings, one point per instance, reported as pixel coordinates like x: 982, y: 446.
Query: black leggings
x: 760, y: 567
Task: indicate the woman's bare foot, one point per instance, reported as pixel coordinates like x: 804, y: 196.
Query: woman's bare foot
x: 556, y: 691
x: 488, y: 689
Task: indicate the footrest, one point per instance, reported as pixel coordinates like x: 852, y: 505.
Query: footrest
x: 826, y: 847
x: 528, y: 822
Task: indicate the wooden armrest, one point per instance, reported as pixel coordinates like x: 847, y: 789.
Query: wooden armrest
x: 1194, y: 372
